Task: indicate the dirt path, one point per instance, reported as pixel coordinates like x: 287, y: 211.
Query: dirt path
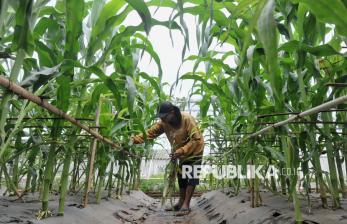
x: 155, y: 213
x: 215, y: 207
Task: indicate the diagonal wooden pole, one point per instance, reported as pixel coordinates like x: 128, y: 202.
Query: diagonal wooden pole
x: 20, y: 91
x: 314, y: 110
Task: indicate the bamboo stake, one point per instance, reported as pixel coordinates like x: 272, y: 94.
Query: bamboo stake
x: 52, y: 126
x: 92, y: 158
x: 290, y: 113
x: 289, y: 133
x: 20, y: 91
x: 305, y: 122
x: 336, y: 84
x: 314, y: 110
x: 49, y: 118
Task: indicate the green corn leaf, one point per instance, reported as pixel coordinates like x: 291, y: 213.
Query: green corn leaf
x: 142, y: 9
x: 322, y: 50
x: 131, y: 88
x: 115, y: 90
x: 41, y: 77
x: 74, y: 17
x: 96, y: 11
x: 22, y: 38
x: 162, y: 3
x: 153, y: 82
x: 238, y: 9
x: 212, y: 86
x: 184, y: 25
x: 153, y: 54
x: 63, y: 92
x: 332, y: 11
x: 97, y: 91
x: 118, y: 126
x: 110, y: 9
x: 268, y: 37
x: 47, y: 57
x: 108, y: 81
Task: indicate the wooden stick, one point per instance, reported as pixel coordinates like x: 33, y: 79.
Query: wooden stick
x: 92, y: 158
x: 85, y: 135
x: 41, y: 96
x: 293, y: 133
x: 314, y: 110
x: 6, y: 55
x: 290, y: 113
x: 49, y: 118
x: 336, y: 84
x: 20, y: 91
x: 305, y: 122
x: 51, y: 126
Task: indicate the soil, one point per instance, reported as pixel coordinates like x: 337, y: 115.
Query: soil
x: 216, y: 207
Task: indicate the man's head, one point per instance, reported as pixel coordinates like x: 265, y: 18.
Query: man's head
x: 169, y: 113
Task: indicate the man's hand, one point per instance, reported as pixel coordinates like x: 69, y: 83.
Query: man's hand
x: 174, y: 156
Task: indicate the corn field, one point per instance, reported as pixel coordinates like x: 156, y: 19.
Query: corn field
x: 72, y: 93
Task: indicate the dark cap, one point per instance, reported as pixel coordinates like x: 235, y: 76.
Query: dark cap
x: 164, y: 108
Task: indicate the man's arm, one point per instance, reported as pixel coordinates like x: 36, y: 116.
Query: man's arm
x: 152, y: 133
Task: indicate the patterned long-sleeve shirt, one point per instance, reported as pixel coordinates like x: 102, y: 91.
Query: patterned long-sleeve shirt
x: 186, y: 140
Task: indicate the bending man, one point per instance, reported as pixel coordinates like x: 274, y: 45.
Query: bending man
x: 188, y: 144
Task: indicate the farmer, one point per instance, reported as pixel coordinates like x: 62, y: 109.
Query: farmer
x: 188, y: 144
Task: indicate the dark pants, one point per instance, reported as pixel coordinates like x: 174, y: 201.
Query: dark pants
x: 183, y: 182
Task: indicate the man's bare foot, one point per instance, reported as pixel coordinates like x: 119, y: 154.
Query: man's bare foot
x: 183, y: 212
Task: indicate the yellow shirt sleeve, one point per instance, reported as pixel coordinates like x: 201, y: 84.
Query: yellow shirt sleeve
x: 152, y: 133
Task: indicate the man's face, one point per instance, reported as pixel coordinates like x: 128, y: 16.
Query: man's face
x: 169, y: 117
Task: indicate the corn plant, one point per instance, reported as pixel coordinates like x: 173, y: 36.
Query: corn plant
x: 63, y: 53
x: 82, y: 61
x: 288, y: 58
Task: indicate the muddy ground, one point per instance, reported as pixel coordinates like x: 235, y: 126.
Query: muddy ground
x: 217, y: 207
